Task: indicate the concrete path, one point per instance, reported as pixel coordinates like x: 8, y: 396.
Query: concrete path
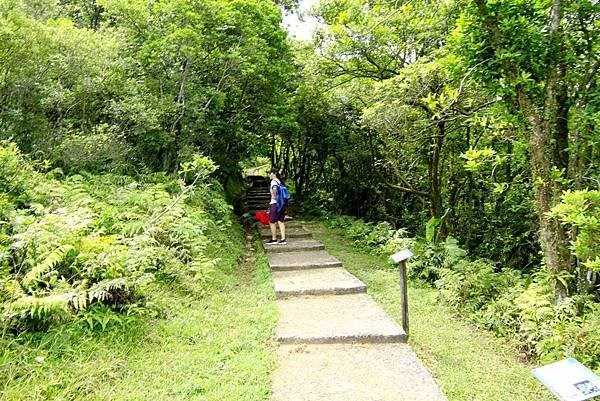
x: 352, y: 372
x: 337, y: 344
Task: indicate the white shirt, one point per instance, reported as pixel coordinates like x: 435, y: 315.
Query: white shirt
x: 274, y: 183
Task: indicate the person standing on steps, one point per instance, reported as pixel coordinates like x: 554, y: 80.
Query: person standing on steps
x: 277, y: 207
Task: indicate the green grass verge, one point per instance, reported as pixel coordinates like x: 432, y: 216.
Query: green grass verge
x: 468, y: 364
x: 211, y: 345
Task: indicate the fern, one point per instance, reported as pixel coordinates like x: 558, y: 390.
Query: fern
x: 39, y: 307
x: 78, y: 195
x: 55, y: 257
x: 108, y: 290
x: 69, y: 245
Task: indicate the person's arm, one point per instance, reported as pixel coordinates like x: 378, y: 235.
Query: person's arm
x: 274, y: 193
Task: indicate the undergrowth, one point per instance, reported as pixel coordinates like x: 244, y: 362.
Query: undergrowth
x: 213, y: 347
x: 74, y: 246
x: 128, y: 288
x: 467, y: 363
x: 505, y: 301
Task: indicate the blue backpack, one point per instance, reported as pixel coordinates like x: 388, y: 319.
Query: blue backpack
x: 283, y: 195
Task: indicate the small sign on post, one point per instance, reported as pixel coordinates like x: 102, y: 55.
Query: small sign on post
x: 399, y: 258
x: 569, y: 380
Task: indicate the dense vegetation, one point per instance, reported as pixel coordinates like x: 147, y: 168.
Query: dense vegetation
x: 141, y: 86
x: 465, y: 129
x: 472, y: 126
x: 71, y: 245
x: 123, y: 271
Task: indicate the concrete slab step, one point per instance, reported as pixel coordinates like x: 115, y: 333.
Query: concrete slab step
x: 329, y: 281
x: 251, y: 202
x: 261, y: 206
x: 289, y: 223
x: 328, y: 319
x: 356, y: 372
x: 290, y: 232
x: 295, y: 245
x: 302, y: 260
x: 258, y: 206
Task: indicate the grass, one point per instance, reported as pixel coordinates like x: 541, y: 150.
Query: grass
x: 205, y: 346
x: 467, y: 363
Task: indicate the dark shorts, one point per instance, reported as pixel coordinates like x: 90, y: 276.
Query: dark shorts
x: 274, y: 215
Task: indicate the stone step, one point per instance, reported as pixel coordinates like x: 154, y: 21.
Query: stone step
x: 252, y: 201
x: 289, y: 223
x: 295, y: 245
x: 328, y: 319
x: 302, y: 260
x: 330, y: 281
x: 253, y: 210
x: 258, y: 205
x: 290, y: 232
x: 356, y: 372
x: 264, y: 207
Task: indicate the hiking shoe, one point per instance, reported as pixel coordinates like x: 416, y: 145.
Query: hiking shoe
x: 282, y: 242
x: 272, y: 241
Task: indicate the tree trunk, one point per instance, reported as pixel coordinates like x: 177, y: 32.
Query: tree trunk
x: 435, y: 181
x: 544, y: 137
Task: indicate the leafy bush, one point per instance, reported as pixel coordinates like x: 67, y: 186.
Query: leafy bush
x: 380, y: 237
x: 69, y: 245
x: 504, y: 301
x: 581, y: 210
x: 470, y: 285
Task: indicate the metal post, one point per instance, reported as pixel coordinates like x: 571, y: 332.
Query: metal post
x: 404, y: 296
x: 400, y: 258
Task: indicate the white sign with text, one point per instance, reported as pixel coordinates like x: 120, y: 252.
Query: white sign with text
x: 569, y: 380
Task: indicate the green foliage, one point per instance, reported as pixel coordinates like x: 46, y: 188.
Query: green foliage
x: 185, y: 346
x: 381, y: 238
x: 86, y: 240
x: 137, y: 86
x: 504, y: 301
x: 580, y: 210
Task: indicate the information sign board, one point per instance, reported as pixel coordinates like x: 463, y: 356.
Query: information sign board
x: 569, y: 380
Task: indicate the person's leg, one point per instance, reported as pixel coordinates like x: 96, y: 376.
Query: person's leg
x: 281, y: 221
x: 273, y: 218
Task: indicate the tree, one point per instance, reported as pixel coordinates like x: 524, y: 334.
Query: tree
x: 531, y: 54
